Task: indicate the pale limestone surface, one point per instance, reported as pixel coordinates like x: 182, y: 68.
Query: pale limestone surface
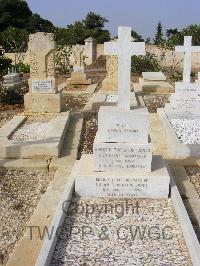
x: 187, y: 49
x: 89, y: 183
x: 124, y: 48
x: 121, y: 156
x: 43, y: 93
x: 78, y: 79
x: 158, y: 76
x: 186, y: 96
x: 110, y: 83
x: 115, y: 125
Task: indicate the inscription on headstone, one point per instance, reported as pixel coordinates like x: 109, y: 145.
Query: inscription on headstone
x: 42, y: 86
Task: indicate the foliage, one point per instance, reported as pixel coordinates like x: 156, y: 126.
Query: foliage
x: 13, y: 13
x: 5, y: 64
x: 14, y: 40
x: 23, y: 68
x: 36, y: 23
x: 12, y: 95
x: 147, y: 63
x: 94, y: 21
x: 76, y: 33
x: 159, y: 34
x: 62, y: 59
x: 136, y: 36
x: 16, y: 13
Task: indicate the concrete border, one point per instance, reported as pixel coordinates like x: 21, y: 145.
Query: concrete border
x: 190, y: 237
x: 177, y: 149
x: 185, y: 223
x: 51, y: 146
x: 48, y: 246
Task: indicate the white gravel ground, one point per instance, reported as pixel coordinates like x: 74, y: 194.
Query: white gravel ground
x: 32, y: 131
x: 121, y: 232
x: 187, y: 130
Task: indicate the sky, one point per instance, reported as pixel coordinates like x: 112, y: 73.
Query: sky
x: 141, y: 15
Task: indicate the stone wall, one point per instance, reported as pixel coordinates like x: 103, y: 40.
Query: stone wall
x: 170, y: 58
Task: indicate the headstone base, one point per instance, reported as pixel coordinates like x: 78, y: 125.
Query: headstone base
x: 78, y: 79
x: 149, y: 86
x: 43, y: 103
x: 154, y: 185
x: 109, y: 85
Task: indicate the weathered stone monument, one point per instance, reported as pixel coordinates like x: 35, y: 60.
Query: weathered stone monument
x: 186, y: 99
x: 154, y: 82
x: 78, y: 76
x: 43, y: 93
x: 184, y: 109
x: 121, y: 164
x: 13, y: 81
x: 110, y: 82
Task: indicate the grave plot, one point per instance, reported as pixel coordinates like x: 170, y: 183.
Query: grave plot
x: 154, y: 102
x: 194, y: 176
x: 7, y: 112
x: 121, y: 173
x: 121, y: 232
x: 181, y: 118
x: 24, y: 137
x: 20, y: 193
x: 88, y: 134
x: 75, y: 102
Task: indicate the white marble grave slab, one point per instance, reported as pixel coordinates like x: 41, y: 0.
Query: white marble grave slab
x: 186, y: 96
x: 116, y: 125
x: 89, y: 183
x: 122, y: 156
x: 153, y: 76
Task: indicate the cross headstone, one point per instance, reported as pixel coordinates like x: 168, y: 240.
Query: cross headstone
x: 188, y: 49
x: 124, y: 48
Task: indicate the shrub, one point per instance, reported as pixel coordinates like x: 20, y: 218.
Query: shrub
x: 23, y: 68
x: 12, y: 95
x: 147, y: 63
x: 5, y: 64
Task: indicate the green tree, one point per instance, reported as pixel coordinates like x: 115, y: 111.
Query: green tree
x: 36, y: 23
x: 94, y: 21
x: 14, y: 40
x: 14, y: 13
x: 136, y: 36
x: 159, y: 34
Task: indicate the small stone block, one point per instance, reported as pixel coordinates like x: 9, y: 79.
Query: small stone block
x: 89, y: 183
x: 122, y: 156
x: 115, y: 125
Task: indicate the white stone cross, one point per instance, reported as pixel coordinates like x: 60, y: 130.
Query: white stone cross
x: 124, y: 48
x: 188, y: 49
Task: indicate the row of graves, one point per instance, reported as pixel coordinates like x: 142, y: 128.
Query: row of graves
x: 119, y: 205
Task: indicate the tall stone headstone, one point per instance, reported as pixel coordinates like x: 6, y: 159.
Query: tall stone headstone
x: 90, y: 50
x: 186, y: 98
x: 121, y: 165
x: 43, y: 93
x: 110, y: 83
x: 78, y: 76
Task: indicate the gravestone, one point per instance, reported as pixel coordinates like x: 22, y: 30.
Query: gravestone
x: 78, y: 76
x: 110, y: 82
x: 43, y: 94
x: 13, y: 81
x: 154, y: 82
x: 186, y: 99
x: 122, y: 164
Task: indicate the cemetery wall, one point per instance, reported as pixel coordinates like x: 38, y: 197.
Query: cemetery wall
x: 170, y: 58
